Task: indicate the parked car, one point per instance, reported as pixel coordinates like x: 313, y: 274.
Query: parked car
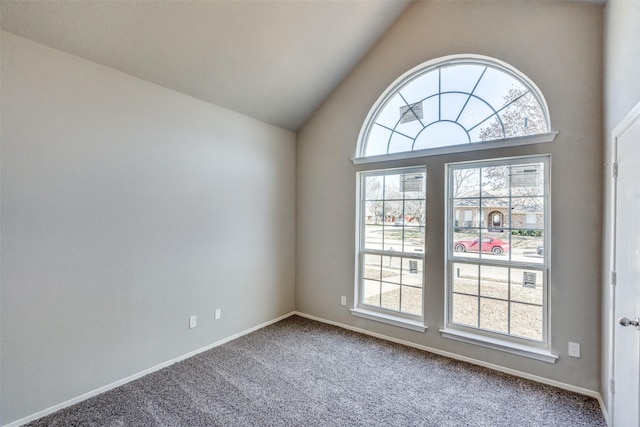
x: 488, y: 244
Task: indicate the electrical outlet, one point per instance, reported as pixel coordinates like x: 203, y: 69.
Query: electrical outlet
x: 218, y: 314
x: 574, y: 349
x: 192, y: 322
x: 343, y: 300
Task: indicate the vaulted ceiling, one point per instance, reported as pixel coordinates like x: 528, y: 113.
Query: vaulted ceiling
x: 275, y: 61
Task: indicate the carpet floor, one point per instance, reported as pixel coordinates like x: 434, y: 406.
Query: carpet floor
x: 299, y: 372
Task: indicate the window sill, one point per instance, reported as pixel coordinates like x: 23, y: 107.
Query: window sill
x: 389, y: 319
x: 500, y: 345
x: 460, y: 148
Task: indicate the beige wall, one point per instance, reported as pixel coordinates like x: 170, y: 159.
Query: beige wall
x: 559, y: 46
x: 621, y: 94
x: 621, y: 60
x: 127, y: 208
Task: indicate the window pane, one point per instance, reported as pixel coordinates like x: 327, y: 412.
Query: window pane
x: 527, y: 179
x: 527, y: 212
x: 372, y: 267
x: 466, y: 243
x: 475, y: 112
x: 378, y: 141
x: 391, y: 269
x: 495, y: 181
x: 452, y: 104
x: 527, y: 286
x: 371, y: 292
x: 373, y: 236
x: 413, y: 238
x: 411, y: 300
x: 393, y: 210
x: 527, y: 246
x: 421, y: 87
x: 389, y: 116
x: 393, y: 240
x: 392, y: 187
x: 466, y: 213
x: 465, y: 310
x: 461, y: 77
x: 431, y: 109
x: 495, y: 246
x: 411, y: 122
x: 412, y: 272
x: 494, y: 282
x: 488, y: 130
x: 497, y: 88
x: 465, y: 278
x: 400, y: 143
x: 441, y: 134
x: 524, y: 116
x: 466, y: 183
x: 496, y: 214
x: 412, y: 186
x: 494, y: 315
x: 390, y: 297
x: 526, y: 321
x: 373, y: 187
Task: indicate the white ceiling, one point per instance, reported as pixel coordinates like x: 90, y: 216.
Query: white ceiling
x: 275, y: 61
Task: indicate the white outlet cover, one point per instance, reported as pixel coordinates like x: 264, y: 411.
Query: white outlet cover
x: 343, y: 300
x: 192, y: 322
x: 574, y: 349
x: 218, y: 314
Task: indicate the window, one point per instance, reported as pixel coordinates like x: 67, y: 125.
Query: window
x: 496, y: 211
x: 391, y: 246
x: 496, y: 274
x: 456, y: 103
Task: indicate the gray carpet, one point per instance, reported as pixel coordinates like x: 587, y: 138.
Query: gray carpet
x: 299, y: 372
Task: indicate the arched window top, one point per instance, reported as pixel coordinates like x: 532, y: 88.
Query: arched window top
x: 455, y: 103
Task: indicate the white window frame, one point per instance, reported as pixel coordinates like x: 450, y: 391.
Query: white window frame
x: 522, y: 347
x: 498, y: 341
x: 360, y: 158
x: 392, y: 317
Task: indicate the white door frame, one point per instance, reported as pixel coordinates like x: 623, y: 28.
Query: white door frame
x: 609, y: 258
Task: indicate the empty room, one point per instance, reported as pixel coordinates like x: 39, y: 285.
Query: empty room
x: 319, y: 213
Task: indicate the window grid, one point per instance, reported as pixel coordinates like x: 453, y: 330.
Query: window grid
x: 450, y: 104
x: 519, y: 99
x: 530, y: 266
x: 398, y: 281
x: 508, y: 299
x: 400, y: 284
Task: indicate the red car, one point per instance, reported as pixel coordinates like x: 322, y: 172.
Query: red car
x: 489, y: 244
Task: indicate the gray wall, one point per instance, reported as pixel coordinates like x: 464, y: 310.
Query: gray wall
x: 126, y: 208
x: 621, y: 94
x: 559, y: 46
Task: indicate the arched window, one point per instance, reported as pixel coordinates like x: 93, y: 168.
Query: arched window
x: 497, y: 209
x: 496, y: 219
x: 455, y: 103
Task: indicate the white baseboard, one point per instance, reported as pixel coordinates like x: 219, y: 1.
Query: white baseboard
x: 603, y: 408
x: 542, y: 380
x: 140, y: 374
